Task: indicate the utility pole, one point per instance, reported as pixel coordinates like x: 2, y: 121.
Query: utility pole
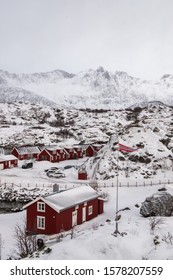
x: 116, y: 232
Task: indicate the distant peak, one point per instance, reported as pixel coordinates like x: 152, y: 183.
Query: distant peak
x: 100, y: 69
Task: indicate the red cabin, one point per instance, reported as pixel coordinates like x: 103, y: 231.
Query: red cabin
x: 71, y: 152
x: 52, y: 154
x: 63, y: 210
x: 25, y: 152
x: 79, y: 151
x: 8, y: 161
x: 45, y: 155
x: 82, y: 173
x: 90, y: 151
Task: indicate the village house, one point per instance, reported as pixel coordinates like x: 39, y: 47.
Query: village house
x: 82, y: 173
x: 72, y: 153
x: 89, y: 151
x: 53, y: 154
x: 63, y: 210
x: 8, y: 161
x: 79, y: 151
x: 27, y: 152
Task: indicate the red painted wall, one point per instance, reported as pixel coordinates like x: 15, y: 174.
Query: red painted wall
x: 79, y: 152
x: 44, y: 154
x: 55, y: 222
x: 82, y: 176
x: 50, y: 219
x: 90, y: 152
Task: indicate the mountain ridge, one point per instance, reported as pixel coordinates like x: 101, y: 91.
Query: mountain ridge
x: 98, y: 88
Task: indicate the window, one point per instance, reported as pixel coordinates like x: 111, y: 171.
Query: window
x: 90, y: 210
x: 41, y: 206
x: 40, y: 222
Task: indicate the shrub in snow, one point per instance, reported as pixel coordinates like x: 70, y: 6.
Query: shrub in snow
x: 160, y: 204
x: 168, y: 238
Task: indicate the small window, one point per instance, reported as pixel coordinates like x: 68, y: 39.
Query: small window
x: 40, y: 222
x: 41, y: 206
x: 90, y: 210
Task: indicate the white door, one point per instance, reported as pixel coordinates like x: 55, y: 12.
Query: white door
x: 1, y: 166
x: 83, y: 214
x: 74, y: 218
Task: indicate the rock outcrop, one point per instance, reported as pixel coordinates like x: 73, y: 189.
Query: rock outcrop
x: 160, y: 204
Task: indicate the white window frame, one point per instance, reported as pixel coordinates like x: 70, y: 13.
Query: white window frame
x: 41, y: 206
x: 90, y: 210
x: 40, y: 222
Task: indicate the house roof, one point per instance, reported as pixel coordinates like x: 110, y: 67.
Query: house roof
x: 69, y: 198
x: 27, y: 150
x: 7, y: 157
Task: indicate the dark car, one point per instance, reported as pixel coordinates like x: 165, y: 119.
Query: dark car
x: 51, y: 169
x: 27, y: 165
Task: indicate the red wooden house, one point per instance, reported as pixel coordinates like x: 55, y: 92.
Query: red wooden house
x: 8, y: 161
x: 72, y: 153
x: 82, y: 173
x: 79, y: 151
x: 63, y: 210
x: 46, y: 155
x: 49, y: 153
x: 52, y: 154
x: 25, y: 152
x: 89, y: 151
x: 63, y: 155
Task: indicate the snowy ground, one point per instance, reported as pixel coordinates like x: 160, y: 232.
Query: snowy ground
x: 95, y: 239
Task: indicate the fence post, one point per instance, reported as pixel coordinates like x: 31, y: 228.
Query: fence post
x: 144, y: 183
x: 136, y: 184
x: 151, y: 183
x: 128, y: 184
x: 159, y: 182
x: 168, y: 181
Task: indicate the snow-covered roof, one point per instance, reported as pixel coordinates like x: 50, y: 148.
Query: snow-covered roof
x: 7, y: 157
x: 28, y: 150
x: 69, y: 198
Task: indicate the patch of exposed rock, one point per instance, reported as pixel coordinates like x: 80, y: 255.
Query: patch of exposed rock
x: 160, y: 204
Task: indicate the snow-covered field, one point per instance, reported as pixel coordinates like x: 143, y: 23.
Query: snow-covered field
x: 94, y: 239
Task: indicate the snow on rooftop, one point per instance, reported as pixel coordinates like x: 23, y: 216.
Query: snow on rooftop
x: 28, y: 150
x: 7, y: 157
x: 68, y: 198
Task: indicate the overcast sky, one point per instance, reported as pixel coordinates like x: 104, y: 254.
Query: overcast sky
x: 135, y: 36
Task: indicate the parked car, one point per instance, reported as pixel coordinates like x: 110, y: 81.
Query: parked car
x: 57, y: 174
x: 51, y: 169
x: 68, y: 166
x: 27, y: 165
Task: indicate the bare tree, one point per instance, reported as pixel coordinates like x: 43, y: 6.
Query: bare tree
x: 155, y: 221
x: 26, y: 244
x: 168, y: 238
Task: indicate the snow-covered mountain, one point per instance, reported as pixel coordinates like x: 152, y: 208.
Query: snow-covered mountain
x: 98, y: 88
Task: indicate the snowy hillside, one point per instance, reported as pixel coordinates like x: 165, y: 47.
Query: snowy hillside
x: 149, y: 128
x: 141, y: 174
x: 88, y: 89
